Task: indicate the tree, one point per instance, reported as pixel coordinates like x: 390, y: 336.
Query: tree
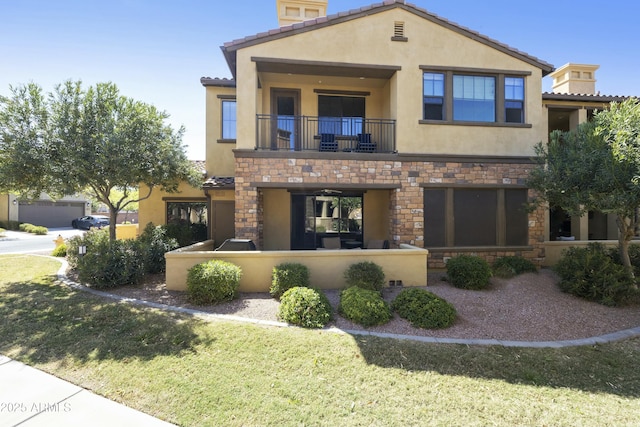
x: 579, y: 172
x: 95, y: 141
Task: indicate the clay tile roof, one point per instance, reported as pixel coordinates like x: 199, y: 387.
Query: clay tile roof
x: 550, y: 96
x: 229, y: 48
x: 200, y: 166
x: 220, y: 182
x: 224, y: 82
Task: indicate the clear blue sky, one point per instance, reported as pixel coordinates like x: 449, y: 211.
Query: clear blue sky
x: 156, y: 51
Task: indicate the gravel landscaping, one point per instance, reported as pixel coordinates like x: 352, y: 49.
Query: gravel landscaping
x: 527, y: 307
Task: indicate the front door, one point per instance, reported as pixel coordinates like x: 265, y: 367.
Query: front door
x: 223, y: 221
x: 285, y: 107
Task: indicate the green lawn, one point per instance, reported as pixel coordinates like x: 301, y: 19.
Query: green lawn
x: 194, y: 373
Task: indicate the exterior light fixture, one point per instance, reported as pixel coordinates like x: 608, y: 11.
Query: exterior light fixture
x: 82, y: 250
x: 15, y: 202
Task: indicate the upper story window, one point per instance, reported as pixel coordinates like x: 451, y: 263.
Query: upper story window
x: 468, y: 96
x: 474, y: 98
x: 433, y: 87
x: 229, y: 119
x: 514, y: 99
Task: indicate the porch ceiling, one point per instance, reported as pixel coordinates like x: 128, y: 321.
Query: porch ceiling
x: 321, y: 68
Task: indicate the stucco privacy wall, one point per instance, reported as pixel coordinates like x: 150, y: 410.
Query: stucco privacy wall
x: 326, y: 267
x: 408, y: 177
x: 429, y: 44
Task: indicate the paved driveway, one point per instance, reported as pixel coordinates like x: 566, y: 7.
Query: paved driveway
x: 21, y: 242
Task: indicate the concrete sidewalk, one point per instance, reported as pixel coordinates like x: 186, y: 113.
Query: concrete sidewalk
x: 30, y: 397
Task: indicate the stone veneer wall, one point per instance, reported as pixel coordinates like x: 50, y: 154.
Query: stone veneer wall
x: 409, y: 175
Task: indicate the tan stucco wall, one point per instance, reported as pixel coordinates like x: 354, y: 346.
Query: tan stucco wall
x: 401, y: 97
x: 326, y: 268
x: 277, y: 219
x: 8, y: 211
x: 153, y: 209
x: 219, y: 155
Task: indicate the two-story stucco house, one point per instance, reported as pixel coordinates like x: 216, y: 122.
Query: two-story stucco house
x: 381, y: 123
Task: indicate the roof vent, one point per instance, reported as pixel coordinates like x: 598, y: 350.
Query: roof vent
x: 398, y: 32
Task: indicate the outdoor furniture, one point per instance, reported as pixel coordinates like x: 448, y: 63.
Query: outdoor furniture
x: 378, y: 244
x: 237, y: 245
x: 364, y: 143
x: 331, y: 243
x: 328, y: 142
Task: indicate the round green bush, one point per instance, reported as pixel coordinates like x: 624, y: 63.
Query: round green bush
x: 468, y: 272
x: 305, y: 307
x: 365, y: 275
x: 364, y: 307
x: 424, y: 309
x: 510, y: 266
x: 60, y: 251
x: 286, y: 276
x: 213, y: 281
x: 590, y: 273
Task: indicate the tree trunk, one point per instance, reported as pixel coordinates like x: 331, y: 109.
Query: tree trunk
x: 113, y: 217
x: 626, y: 232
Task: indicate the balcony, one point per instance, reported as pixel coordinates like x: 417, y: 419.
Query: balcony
x: 325, y: 134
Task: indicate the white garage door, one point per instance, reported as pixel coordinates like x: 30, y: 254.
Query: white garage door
x: 50, y: 214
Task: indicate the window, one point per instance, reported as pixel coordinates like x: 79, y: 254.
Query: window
x: 190, y: 215
x: 456, y: 217
x: 514, y: 99
x: 433, y: 87
x: 474, y: 98
x: 229, y: 119
x: 340, y: 115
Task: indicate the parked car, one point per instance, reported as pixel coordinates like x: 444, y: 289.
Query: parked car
x: 90, y: 221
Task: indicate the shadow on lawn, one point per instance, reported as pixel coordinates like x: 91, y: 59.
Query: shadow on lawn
x: 609, y: 368
x: 45, y: 322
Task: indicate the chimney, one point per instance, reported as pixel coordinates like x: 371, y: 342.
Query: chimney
x: 294, y: 11
x: 575, y: 79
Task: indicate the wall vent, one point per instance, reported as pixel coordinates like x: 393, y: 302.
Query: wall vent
x: 398, y: 32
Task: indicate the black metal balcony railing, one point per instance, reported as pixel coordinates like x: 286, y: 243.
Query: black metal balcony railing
x: 309, y: 133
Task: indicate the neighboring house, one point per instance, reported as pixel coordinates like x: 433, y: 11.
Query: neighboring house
x: 381, y: 123
x: 44, y: 211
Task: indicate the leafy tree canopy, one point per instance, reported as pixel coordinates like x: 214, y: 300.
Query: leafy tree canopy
x: 88, y: 140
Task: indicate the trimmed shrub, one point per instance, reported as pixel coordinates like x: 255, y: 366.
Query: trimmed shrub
x: 60, y: 251
x: 113, y: 264
x: 468, y: 272
x: 424, y: 309
x: 305, y: 307
x: 181, y: 232
x: 590, y: 273
x: 153, y: 243
x: 213, y: 281
x: 634, y: 257
x: 510, y: 266
x: 365, y: 275
x: 92, y: 239
x: 286, y: 276
x: 10, y: 225
x: 363, y: 306
x: 34, y: 229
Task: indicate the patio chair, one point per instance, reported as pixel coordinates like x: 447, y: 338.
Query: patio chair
x: 328, y: 142
x: 364, y: 143
x: 378, y: 244
x: 331, y: 243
